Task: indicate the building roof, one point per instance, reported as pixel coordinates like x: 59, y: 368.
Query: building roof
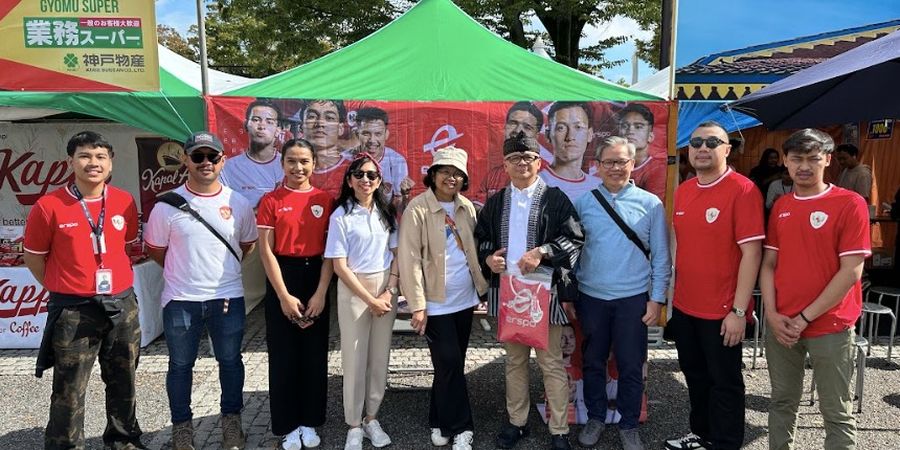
x: 741, y: 71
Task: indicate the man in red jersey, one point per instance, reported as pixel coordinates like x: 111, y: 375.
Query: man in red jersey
x: 818, y: 239
x: 75, y: 241
x: 718, y: 221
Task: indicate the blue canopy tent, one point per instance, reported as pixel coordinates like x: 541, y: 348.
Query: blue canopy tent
x: 693, y: 113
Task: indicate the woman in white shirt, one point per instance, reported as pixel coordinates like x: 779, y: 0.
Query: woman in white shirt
x: 442, y: 280
x: 362, y: 243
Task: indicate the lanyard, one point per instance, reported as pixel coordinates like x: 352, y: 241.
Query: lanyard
x: 96, y: 229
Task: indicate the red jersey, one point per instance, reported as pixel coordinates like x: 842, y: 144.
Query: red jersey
x: 811, y: 234
x: 56, y: 227
x: 711, y: 221
x: 331, y: 179
x: 651, y: 176
x: 299, y: 220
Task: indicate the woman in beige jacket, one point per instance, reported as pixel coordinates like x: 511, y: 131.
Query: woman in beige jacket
x: 442, y: 282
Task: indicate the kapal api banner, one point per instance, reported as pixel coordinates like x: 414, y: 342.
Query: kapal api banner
x: 78, y: 45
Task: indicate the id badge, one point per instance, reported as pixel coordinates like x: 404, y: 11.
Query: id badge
x: 103, y: 280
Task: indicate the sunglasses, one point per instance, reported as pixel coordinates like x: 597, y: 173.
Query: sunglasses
x: 370, y: 174
x: 711, y: 142
x: 198, y: 157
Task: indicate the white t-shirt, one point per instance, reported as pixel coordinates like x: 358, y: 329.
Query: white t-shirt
x: 360, y: 236
x: 572, y: 188
x: 251, y: 178
x: 198, y: 266
x: 459, y: 287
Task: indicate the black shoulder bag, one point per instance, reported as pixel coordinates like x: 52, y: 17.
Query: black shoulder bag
x: 177, y: 201
x: 621, y: 223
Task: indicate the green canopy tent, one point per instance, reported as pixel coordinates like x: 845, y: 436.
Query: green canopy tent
x: 174, y: 111
x: 436, y: 52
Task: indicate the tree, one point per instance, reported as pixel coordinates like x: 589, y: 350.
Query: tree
x: 261, y: 37
x: 565, y: 21
x: 173, y: 40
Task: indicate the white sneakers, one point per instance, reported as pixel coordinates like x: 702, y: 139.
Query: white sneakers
x: 438, y: 439
x: 303, y: 437
x: 354, y: 439
x: 463, y: 441
x: 292, y: 441
x: 309, y: 437
x: 373, y: 432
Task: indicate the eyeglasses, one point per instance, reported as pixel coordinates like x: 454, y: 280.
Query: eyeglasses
x: 451, y: 174
x: 527, y: 159
x: 711, y: 142
x: 370, y: 174
x: 610, y: 163
x: 198, y: 157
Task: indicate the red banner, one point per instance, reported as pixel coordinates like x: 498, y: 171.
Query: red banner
x: 416, y: 129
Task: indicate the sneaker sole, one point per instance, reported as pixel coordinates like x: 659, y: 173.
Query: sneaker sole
x: 377, y: 444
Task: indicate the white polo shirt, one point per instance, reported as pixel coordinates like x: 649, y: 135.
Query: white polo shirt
x: 198, y: 265
x: 252, y: 178
x: 360, y: 236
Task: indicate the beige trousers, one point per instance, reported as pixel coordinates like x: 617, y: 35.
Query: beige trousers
x: 556, y: 383
x: 365, y: 348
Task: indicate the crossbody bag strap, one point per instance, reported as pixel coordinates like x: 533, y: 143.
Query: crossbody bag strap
x: 621, y: 223
x: 177, y: 201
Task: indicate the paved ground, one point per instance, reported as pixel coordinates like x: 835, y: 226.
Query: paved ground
x: 24, y: 399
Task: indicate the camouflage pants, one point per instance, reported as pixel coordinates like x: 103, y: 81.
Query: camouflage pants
x: 80, y: 336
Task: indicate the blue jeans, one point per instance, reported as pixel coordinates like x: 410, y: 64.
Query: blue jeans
x: 613, y: 324
x: 183, y: 324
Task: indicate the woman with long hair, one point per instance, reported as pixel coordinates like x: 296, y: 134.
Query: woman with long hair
x: 442, y: 281
x: 362, y: 245
x: 292, y: 222
x: 767, y: 170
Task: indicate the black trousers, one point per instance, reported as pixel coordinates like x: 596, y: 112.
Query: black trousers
x: 714, y: 379
x: 448, y: 339
x: 298, y: 358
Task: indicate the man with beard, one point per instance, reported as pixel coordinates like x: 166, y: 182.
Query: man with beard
x: 203, y: 289
x: 718, y: 224
x: 570, y: 133
x: 636, y: 125
x: 258, y: 169
x: 323, y: 125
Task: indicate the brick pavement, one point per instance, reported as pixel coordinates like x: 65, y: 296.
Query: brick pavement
x: 409, y: 352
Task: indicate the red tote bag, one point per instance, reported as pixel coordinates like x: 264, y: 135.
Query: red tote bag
x: 524, y: 316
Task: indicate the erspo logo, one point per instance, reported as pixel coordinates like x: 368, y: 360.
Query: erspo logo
x: 441, y: 137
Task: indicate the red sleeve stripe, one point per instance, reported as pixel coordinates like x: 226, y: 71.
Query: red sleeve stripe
x: 770, y: 247
x: 266, y: 227
x: 751, y: 238
x: 35, y: 251
x: 856, y: 252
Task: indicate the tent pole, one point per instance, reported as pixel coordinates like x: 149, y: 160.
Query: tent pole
x: 201, y: 28
x: 668, y: 41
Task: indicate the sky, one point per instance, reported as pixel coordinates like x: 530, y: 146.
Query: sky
x: 704, y: 26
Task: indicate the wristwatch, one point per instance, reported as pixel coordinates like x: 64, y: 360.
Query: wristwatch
x: 394, y: 290
x: 544, y: 249
x: 738, y: 311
